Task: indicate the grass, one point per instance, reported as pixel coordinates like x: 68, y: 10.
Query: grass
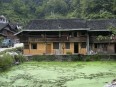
x: 59, y: 74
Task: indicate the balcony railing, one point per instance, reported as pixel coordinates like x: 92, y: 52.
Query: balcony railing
x: 54, y: 38
x: 47, y: 38
x: 94, y: 39
x: 78, y: 39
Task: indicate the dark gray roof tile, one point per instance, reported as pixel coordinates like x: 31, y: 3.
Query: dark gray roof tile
x: 50, y: 24
x: 2, y: 25
x: 101, y: 24
x: 56, y: 24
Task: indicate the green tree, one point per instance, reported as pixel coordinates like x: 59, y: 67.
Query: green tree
x: 24, y: 10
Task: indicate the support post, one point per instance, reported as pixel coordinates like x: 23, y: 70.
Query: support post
x: 87, y: 43
x: 60, y: 48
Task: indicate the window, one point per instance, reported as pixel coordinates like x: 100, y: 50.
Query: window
x: 26, y: 46
x: 95, y: 45
x: 67, y: 45
x: 34, y: 46
x: 83, y: 45
x: 55, y: 45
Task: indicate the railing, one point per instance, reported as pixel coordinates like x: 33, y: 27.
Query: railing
x: 47, y: 38
x: 55, y: 38
x: 94, y: 39
x: 24, y: 39
x: 78, y: 39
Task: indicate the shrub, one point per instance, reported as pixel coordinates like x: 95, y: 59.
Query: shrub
x: 96, y: 57
x: 19, y: 58
x: 43, y: 58
x: 92, y: 57
x: 69, y: 52
x: 6, y: 61
x: 77, y: 57
x: 57, y: 57
x: 88, y: 58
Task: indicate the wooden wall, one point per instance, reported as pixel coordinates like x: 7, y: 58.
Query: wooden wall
x: 41, y: 49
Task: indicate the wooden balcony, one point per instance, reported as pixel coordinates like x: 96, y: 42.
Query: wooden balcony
x: 48, y: 38
x: 93, y: 39
x: 23, y: 40
x: 78, y: 39
x: 54, y: 38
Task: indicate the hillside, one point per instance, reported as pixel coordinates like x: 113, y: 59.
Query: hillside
x: 24, y: 10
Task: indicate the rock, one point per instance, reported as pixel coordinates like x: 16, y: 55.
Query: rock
x: 112, y: 84
x: 17, y: 63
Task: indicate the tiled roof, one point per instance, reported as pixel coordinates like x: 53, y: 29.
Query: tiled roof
x: 1, y: 34
x: 50, y: 24
x: 11, y: 26
x: 2, y: 25
x: 101, y: 24
x: 56, y: 24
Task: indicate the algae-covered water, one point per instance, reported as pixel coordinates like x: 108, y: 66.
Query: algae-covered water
x: 59, y: 74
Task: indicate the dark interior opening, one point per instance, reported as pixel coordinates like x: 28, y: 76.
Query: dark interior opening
x: 76, y: 48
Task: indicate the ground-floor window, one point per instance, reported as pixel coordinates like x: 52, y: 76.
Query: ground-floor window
x: 104, y: 46
x: 101, y: 47
x: 67, y: 45
x: 55, y: 45
x: 34, y: 46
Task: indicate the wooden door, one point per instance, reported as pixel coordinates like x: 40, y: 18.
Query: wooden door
x: 48, y: 48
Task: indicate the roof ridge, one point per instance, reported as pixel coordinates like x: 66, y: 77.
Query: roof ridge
x: 100, y: 19
x: 58, y: 19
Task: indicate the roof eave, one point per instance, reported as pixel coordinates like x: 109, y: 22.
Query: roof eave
x: 99, y: 30
x: 86, y: 29
x: 57, y: 29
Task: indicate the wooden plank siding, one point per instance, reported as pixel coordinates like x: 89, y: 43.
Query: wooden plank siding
x: 54, y: 39
x: 42, y: 48
x: 93, y: 39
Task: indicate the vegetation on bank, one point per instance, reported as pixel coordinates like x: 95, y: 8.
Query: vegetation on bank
x: 6, y: 60
x: 23, y: 10
x: 11, y: 57
x: 96, y: 57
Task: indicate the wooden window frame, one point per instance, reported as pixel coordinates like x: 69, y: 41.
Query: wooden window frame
x: 67, y: 45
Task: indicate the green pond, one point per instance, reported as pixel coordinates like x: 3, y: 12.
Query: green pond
x: 59, y: 74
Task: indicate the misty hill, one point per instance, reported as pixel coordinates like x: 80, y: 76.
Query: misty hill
x: 24, y: 10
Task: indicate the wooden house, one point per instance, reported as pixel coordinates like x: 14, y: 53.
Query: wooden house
x: 67, y: 36
x: 7, y: 30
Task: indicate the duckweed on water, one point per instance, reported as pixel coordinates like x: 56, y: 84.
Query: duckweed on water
x: 59, y: 74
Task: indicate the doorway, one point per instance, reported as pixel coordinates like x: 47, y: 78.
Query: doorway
x: 76, y: 48
x: 48, y: 48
